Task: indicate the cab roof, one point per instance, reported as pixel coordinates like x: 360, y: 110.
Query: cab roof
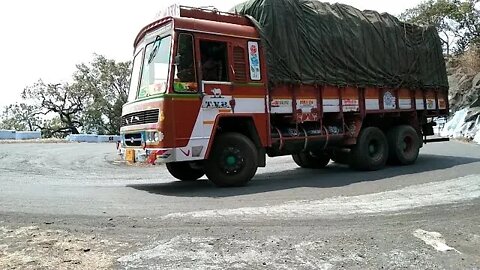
x: 203, y: 20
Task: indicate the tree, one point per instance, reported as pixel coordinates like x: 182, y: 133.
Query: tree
x: 108, y: 82
x: 65, y: 101
x: 20, y: 116
x: 457, y: 21
x: 92, y: 103
x: 53, y: 128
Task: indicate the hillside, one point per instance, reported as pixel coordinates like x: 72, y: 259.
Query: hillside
x: 464, y: 80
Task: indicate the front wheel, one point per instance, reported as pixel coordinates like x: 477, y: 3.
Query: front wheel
x: 309, y: 160
x: 371, y: 151
x: 184, y: 171
x: 233, y: 160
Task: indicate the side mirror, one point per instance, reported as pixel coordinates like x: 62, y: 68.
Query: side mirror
x: 177, y: 59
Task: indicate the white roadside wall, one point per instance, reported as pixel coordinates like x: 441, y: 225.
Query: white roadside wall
x: 82, y: 138
x: 28, y: 135
x: 458, y: 128
x: 92, y: 138
x: 7, y: 134
x: 108, y: 138
x: 35, y: 135
x: 477, y: 138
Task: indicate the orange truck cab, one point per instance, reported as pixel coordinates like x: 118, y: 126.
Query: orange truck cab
x: 200, y: 102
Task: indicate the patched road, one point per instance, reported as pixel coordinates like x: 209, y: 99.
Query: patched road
x: 76, y: 206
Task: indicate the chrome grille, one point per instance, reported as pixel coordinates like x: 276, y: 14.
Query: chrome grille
x: 139, y: 118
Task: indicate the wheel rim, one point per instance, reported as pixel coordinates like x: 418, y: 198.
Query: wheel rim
x: 407, y: 144
x: 231, y: 160
x: 374, y: 149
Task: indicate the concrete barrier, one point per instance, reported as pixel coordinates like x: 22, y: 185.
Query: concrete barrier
x: 83, y: 138
x: 108, y: 138
x: 28, y: 135
x: 92, y: 138
x: 7, y: 134
x: 33, y: 135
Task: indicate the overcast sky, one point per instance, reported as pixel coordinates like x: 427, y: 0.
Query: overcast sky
x: 46, y: 39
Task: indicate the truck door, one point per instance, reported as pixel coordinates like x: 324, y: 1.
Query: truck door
x: 232, y: 82
x: 186, y: 100
x: 215, y: 82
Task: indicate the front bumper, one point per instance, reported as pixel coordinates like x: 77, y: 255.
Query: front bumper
x: 137, y: 146
x: 150, y: 156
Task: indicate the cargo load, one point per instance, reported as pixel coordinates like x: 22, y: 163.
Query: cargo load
x: 310, y: 42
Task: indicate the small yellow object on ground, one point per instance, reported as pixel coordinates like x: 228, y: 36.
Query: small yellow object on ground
x: 130, y: 155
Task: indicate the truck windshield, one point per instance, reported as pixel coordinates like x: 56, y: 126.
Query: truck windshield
x: 156, y: 63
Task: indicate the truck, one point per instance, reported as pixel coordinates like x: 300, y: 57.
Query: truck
x: 214, y: 93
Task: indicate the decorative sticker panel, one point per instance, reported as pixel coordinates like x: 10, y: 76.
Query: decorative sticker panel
x: 306, y: 105
x: 254, y: 61
x: 389, y: 101
x: 350, y: 105
x: 280, y: 106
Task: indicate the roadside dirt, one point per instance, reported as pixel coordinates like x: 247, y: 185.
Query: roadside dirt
x: 33, y: 247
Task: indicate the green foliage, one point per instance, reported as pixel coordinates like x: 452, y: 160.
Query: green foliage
x: 20, y: 116
x: 53, y: 128
x: 457, y: 21
x: 63, y: 100
x: 107, y: 81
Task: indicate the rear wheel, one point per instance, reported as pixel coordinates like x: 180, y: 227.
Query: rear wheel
x: 371, y: 151
x: 309, y: 160
x: 404, y: 145
x: 184, y: 171
x: 233, y: 160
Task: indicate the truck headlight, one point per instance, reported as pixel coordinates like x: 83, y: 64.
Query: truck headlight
x: 154, y: 136
x: 159, y: 136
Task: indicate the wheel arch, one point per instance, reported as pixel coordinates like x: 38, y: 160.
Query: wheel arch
x: 244, y: 124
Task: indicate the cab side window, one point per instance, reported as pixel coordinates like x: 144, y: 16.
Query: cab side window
x: 185, y: 78
x: 214, y: 61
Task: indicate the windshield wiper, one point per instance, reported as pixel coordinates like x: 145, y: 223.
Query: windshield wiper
x: 155, y: 49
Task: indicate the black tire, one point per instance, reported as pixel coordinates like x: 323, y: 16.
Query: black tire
x: 340, y: 157
x: 404, y: 145
x: 309, y: 160
x: 183, y: 171
x: 233, y: 160
x: 371, y: 151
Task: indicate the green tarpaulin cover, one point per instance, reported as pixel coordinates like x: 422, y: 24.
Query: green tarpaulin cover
x: 310, y: 42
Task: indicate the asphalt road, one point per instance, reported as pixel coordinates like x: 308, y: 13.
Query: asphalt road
x: 76, y: 206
